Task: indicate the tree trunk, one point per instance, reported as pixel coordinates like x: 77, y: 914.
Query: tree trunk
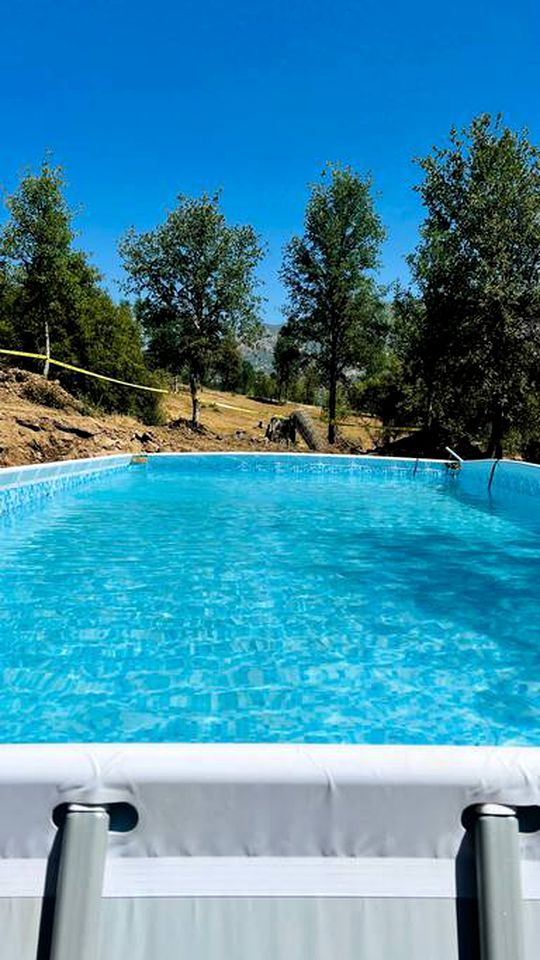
x: 47, y: 352
x: 307, y: 430
x: 195, y: 405
x: 332, y: 404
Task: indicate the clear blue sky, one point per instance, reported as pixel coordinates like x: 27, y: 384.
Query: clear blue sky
x: 140, y: 101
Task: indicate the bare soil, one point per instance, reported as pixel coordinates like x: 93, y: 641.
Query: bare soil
x: 40, y: 421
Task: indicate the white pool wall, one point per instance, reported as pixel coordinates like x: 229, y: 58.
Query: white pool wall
x: 267, y: 852
x: 266, y: 799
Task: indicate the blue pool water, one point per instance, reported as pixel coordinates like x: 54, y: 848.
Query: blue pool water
x: 264, y: 600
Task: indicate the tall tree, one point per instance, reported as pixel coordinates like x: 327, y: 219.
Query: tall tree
x: 476, y: 333
x: 50, y: 295
x: 333, y: 302
x: 195, y: 277
x: 36, y: 248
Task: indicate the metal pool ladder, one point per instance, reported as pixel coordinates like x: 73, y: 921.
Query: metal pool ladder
x: 77, y: 912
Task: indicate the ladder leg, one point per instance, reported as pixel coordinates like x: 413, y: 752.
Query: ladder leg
x: 77, y: 912
x: 500, y: 909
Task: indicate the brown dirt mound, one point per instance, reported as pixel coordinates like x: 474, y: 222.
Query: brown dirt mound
x: 40, y: 421
x: 33, y: 387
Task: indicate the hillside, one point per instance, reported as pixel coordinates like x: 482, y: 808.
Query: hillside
x: 40, y: 421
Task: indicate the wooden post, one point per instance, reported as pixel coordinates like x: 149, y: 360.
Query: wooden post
x: 47, y: 351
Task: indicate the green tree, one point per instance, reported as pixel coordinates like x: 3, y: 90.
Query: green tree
x: 333, y: 303
x: 247, y: 380
x: 195, y: 279
x: 287, y: 361
x: 113, y: 346
x: 474, y: 343
x: 36, y: 247
x: 227, y: 368
x: 8, y: 300
x: 310, y: 386
x: 50, y: 295
x: 264, y: 385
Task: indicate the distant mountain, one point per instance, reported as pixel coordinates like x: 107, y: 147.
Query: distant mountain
x: 261, y: 355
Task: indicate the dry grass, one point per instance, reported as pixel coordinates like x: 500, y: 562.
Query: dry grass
x: 225, y: 413
x: 41, y: 422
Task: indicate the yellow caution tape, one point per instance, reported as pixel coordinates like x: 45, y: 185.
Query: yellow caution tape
x: 88, y: 373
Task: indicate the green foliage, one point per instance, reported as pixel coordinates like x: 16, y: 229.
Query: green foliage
x: 46, y: 283
x: 264, y: 385
x: 36, y: 249
x: 474, y: 339
x: 195, y: 277
x: 309, y: 386
x: 8, y: 298
x: 227, y: 371
x: 288, y: 361
x: 297, y: 377
x: 343, y: 405
x: 247, y: 378
x: 113, y: 347
x: 334, y: 306
x: 382, y: 395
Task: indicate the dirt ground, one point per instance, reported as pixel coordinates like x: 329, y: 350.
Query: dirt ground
x: 40, y: 421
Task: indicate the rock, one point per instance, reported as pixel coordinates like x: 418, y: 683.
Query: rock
x: 29, y: 424
x: 81, y: 432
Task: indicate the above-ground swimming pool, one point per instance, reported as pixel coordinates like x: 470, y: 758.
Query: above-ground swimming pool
x: 270, y: 598
x: 385, y: 608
